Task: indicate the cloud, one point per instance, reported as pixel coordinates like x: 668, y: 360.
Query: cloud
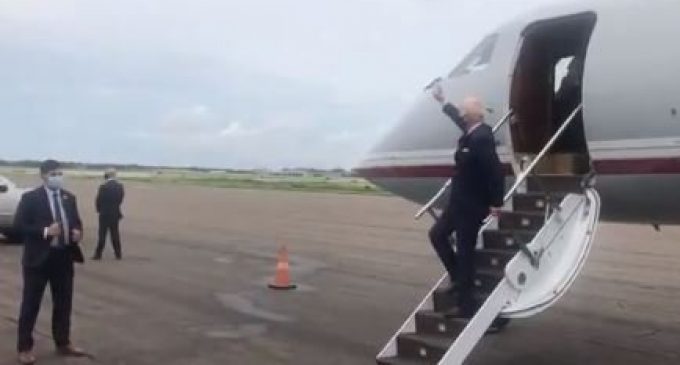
x: 195, y: 119
x: 259, y: 83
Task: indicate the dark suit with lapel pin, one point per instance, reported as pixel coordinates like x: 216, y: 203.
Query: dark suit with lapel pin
x: 478, y: 184
x: 47, y: 260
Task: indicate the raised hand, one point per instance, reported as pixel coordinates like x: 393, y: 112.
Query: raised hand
x: 438, y: 93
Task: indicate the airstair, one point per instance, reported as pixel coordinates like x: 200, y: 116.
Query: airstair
x: 526, y: 260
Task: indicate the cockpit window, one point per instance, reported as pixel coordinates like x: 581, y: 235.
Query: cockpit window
x: 478, y: 59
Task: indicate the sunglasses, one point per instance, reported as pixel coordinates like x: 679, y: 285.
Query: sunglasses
x: 55, y: 173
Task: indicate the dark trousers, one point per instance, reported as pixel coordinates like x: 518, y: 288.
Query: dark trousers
x: 106, y: 225
x: 57, y: 270
x: 460, y: 264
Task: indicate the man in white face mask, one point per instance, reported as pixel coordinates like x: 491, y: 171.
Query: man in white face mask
x: 48, y: 220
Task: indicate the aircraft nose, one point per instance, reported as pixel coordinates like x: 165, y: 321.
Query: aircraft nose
x: 422, y: 138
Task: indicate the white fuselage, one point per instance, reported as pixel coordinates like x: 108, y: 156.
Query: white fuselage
x: 631, y: 109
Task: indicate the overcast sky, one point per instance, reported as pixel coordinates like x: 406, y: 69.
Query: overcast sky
x: 223, y: 83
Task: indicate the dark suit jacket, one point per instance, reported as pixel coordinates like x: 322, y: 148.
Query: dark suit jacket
x: 479, y: 181
x: 34, y: 215
x: 109, y: 198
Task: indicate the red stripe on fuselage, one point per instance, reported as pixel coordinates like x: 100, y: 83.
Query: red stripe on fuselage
x: 647, y: 166
x: 414, y: 171
x: 642, y: 166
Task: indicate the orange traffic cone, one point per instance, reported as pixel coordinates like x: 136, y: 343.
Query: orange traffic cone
x: 282, y: 278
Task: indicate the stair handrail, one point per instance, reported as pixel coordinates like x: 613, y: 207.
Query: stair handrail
x: 488, y: 220
x: 442, y: 190
x: 523, y: 176
x: 393, y: 340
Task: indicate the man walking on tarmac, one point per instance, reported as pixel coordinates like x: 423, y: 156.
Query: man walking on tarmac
x: 476, y: 192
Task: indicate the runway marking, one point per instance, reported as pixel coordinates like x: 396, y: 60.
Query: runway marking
x: 224, y: 260
x: 244, y: 331
x: 245, y: 306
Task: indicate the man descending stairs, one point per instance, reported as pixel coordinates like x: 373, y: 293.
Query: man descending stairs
x: 428, y: 336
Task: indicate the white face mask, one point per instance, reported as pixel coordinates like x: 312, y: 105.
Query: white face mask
x: 55, y: 182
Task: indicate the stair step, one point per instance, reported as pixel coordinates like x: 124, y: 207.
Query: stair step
x: 507, y: 239
x: 487, y: 280
x: 493, y: 260
x: 430, y: 348
x: 436, y: 323
x: 444, y: 301
x: 535, y: 202
x: 554, y: 183
x: 401, y: 361
x: 521, y: 220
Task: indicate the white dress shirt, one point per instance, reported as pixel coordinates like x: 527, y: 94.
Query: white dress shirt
x: 471, y: 129
x: 64, y: 224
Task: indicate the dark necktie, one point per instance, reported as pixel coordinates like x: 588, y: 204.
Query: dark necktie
x: 58, y: 217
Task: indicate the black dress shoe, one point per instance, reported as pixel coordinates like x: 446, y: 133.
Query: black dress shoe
x: 96, y: 258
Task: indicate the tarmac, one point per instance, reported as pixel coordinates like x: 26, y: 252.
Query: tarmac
x: 192, y: 287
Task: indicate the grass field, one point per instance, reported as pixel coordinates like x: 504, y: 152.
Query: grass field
x: 218, y: 179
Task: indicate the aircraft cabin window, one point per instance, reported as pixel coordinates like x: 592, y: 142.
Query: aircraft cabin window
x: 561, y: 70
x: 478, y: 59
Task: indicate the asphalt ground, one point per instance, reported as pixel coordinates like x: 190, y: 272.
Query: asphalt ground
x: 192, y: 288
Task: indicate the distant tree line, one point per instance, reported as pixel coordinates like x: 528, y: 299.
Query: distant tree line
x: 136, y: 167
x: 78, y: 165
